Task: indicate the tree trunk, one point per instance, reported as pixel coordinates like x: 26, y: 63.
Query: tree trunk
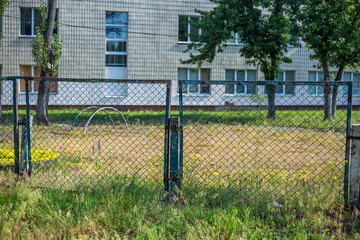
x: 44, y: 89
x: 327, y: 93
x: 338, y: 78
x: 270, y: 90
x: 43, y: 101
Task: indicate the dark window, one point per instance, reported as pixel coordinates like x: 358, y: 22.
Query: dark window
x: 187, y: 32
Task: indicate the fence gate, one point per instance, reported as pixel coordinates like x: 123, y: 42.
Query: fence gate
x: 94, y: 138
x: 233, y: 150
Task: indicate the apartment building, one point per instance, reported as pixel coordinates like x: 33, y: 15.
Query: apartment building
x: 141, y: 39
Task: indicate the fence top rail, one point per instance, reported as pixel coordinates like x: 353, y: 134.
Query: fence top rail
x: 307, y: 83
x: 92, y: 80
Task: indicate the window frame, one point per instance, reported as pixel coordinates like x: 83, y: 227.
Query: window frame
x: 284, y: 72
x: 32, y: 84
x: 185, y: 89
x: 188, y: 28
x: 345, y: 89
x: 33, y: 27
x: 284, y: 94
x: 235, y: 93
x: 317, y: 94
x: 117, y: 53
x: 237, y: 42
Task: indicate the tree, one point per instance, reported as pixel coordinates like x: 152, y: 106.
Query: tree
x: 46, y: 53
x: 331, y: 29
x: 3, y: 5
x: 265, y: 27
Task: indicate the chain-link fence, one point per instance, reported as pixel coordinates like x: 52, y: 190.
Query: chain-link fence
x: 99, y: 133
x: 232, y: 148
x: 6, y: 123
x: 102, y: 133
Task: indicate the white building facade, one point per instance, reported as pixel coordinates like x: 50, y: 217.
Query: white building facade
x: 140, y: 39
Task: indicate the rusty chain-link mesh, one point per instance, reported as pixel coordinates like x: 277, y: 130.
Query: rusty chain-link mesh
x: 100, y: 133
x: 232, y: 148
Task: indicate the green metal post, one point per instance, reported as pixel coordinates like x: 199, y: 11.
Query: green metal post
x: 181, y: 113
x: 16, y: 128
x: 167, y: 142
x: 347, y: 152
x: 28, y: 129
x: 175, y: 169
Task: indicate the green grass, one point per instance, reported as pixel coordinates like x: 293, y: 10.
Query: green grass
x: 285, y: 118
x: 130, y: 209
x: 139, y: 210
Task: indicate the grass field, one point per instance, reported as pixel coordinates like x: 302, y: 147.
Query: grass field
x: 140, y: 211
x: 244, y: 177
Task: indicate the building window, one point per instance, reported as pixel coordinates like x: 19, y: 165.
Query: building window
x: 30, y: 19
x: 355, y: 78
x: 287, y: 89
x: 315, y: 77
x: 194, y: 74
x: 27, y: 70
x: 234, y: 40
x: 240, y: 75
x: 187, y: 32
x: 1, y: 29
x: 116, y: 39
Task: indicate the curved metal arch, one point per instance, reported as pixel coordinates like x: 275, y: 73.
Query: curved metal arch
x: 104, y: 109
x: 88, y: 108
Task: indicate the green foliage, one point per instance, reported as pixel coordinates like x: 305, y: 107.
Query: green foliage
x: 265, y: 28
x: 43, y: 58
x: 258, y: 98
x: 331, y: 29
x: 3, y: 5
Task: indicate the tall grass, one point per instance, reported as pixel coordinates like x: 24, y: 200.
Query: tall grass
x: 139, y: 210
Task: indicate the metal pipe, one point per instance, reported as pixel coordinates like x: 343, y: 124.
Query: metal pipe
x: 181, y: 113
x: 347, y: 150
x: 16, y: 128
x: 28, y: 159
x: 167, y: 138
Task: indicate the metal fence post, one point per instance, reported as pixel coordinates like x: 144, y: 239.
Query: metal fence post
x: 181, y: 113
x: 167, y: 139
x: 16, y: 126
x: 29, y: 121
x: 355, y: 165
x: 347, y: 150
x: 175, y: 169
